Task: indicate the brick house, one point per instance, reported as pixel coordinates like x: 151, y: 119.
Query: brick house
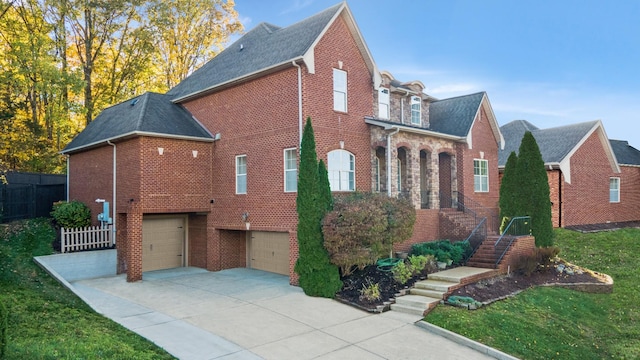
x: 591, y: 179
x: 206, y: 174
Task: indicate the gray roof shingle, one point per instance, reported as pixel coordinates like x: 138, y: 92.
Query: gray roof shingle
x: 150, y: 113
x: 454, y: 116
x: 625, y: 153
x: 263, y: 47
x: 554, y: 143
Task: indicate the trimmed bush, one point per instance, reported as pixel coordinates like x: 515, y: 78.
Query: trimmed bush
x: 72, y: 214
x: 363, y: 227
x: 444, y: 250
x: 402, y: 272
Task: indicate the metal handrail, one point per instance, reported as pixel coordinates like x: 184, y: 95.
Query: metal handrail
x: 512, y: 233
x: 480, y: 227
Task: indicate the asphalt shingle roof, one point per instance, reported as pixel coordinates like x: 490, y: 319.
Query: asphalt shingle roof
x: 264, y: 46
x: 554, y: 143
x: 625, y: 153
x: 148, y: 113
x: 454, y: 116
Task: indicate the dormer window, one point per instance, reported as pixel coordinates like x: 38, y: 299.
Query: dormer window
x: 416, y: 107
x: 383, y: 103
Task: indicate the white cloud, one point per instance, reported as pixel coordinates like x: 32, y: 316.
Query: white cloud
x: 296, y: 6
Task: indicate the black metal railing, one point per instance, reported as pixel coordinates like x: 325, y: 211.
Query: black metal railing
x: 518, y: 226
x: 457, y: 200
x: 477, y: 236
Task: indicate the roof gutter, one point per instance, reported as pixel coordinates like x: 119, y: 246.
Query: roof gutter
x: 409, y: 129
x: 137, y: 133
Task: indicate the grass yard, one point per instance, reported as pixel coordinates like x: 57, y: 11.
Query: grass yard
x: 45, y: 320
x: 554, y: 323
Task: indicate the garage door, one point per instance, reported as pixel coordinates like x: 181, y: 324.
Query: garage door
x: 269, y: 251
x: 162, y: 243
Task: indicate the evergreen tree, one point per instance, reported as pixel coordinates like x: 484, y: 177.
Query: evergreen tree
x: 508, y: 188
x: 325, y: 189
x: 317, y: 275
x: 532, y: 188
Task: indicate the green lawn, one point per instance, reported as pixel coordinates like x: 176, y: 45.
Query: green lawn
x: 46, y: 321
x: 554, y: 323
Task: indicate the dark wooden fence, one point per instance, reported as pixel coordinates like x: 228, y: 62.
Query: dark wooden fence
x: 30, y: 195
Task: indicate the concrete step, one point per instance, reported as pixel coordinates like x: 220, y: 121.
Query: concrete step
x: 408, y: 309
x: 439, y: 285
x: 414, y: 304
x: 429, y: 293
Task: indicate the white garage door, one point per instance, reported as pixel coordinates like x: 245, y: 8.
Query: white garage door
x: 162, y: 243
x: 269, y: 251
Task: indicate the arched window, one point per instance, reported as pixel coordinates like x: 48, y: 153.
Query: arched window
x: 341, y: 166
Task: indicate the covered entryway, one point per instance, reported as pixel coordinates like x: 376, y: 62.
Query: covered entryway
x: 269, y: 251
x: 163, y: 242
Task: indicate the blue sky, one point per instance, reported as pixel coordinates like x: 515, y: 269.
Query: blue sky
x: 550, y: 62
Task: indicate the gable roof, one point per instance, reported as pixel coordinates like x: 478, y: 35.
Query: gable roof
x: 456, y: 116
x: 626, y: 154
x: 268, y: 48
x: 150, y: 114
x: 557, y: 144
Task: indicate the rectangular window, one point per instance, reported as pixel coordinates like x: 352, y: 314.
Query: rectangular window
x: 480, y: 175
x: 376, y: 174
x: 383, y: 103
x: 339, y: 90
x: 399, y: 175
x: 614, y: 190
x: 241, y: 174
x: 291, y: 170
x: 416, y: 107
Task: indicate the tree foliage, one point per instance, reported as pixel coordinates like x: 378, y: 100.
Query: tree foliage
x: 63, y: 61
x: 363, y: 227
x: 525, y: 190
x: 317, y: 275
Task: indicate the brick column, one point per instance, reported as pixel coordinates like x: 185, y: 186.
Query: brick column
x: 214, y: 262
x: 134, y: 242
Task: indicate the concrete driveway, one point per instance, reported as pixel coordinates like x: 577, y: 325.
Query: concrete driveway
x: 250, y: 314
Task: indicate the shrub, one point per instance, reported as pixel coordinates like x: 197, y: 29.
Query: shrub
x: 443, y: 250
x: 526, y: 264
x: 317, y: 275
x: 401, y: 272
x: 370, y: 292
x: 418, y: 263
x: 71, y: 214
x: 363, y: 227
x: 4, y: 324
x: 545, y: 255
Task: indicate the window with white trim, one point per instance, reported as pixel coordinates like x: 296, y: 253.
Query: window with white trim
x: 416, y: 109
x: 480, y: 175
x: 341, y: 166
x: 241, y: 174
x: 383, y: 103
x: 614, y: 189
x: 339, y: 90
x: 291, y: 170
x: 400, y: 170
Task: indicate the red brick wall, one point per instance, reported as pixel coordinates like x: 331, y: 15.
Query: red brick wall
x: 629, y: 207
x: 523, y: 245
x: 197, y: 240
x: 556, y: 180
x: 483, y: 140
x: 233, y: 245
x: 425, y: 229
x: 91, y: 177
x: 129, y: 173
x: 586, y: 199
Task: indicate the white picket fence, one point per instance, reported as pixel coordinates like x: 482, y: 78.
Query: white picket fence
x: 86, y: 238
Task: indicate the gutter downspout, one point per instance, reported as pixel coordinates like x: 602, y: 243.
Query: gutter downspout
x: 68, y: 158
x: 299, y: 102
x: 389, y: 135
x: 114, y: 191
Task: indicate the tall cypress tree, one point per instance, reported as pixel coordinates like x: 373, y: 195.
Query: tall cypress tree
x: 317, y: 275
x: 508, y: 188
x: 532, y: 188
x: 325, y: 188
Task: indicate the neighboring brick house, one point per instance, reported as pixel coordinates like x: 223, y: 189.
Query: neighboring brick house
x: 206, y: 175
x: 587, y: 183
